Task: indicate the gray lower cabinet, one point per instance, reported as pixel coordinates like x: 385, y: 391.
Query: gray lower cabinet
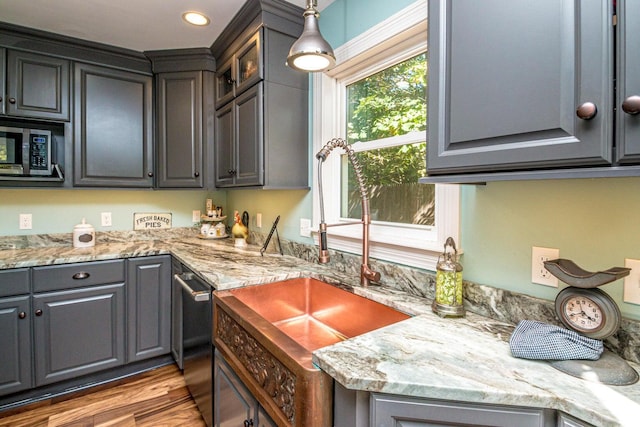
x: 394, y: 411
x: 113, y: 128
x: 364, y: 409
x: 37, y: 86
x: 233, y: 404
x: 79, y: 324
x: 16, y: 319
x: 148, y: 307
x: 565, y: 420
x: 519, y: 85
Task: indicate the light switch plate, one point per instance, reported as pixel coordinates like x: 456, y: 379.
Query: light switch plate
x: 195, y: 216
x: 632, y: 281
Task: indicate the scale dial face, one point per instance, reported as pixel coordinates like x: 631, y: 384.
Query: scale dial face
x: 590, y: 312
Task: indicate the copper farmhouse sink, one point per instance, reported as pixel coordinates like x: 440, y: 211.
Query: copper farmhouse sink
x: 268, y: 332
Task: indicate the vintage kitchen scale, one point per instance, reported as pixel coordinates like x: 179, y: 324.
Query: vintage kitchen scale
x: 593, y: 313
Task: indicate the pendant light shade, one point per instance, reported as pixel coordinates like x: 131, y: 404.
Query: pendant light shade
x: 311, y: 52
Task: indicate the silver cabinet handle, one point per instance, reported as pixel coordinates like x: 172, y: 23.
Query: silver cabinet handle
x: 196, y: 295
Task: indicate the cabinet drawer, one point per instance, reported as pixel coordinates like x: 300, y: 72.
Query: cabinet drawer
x: 14, y: 282
x: 78, y: 275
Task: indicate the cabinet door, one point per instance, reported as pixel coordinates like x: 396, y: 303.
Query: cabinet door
x: 506, y: 78
x: 3, y: 67
x: 15, y: 344
x: 390, y: 411
x: 249, y: 136
x: 224, y: 143
x: 225, y: 83
x: 112, y: 128
x: 180, y: 130
x: 78, y: 331
x: 148, y: 307
x: 37, y: 86
x: 628, y: 55
x: 248, y: 63
x: 233, y: 404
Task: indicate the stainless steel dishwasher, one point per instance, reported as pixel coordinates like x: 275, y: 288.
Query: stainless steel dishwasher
x: 192, y: 337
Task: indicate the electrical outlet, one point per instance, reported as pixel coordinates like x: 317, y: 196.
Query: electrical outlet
x: 632, y: 281
x: 26, y: 222
x: 195, y: 216
x: 305, y: 227
x: 539, y: 274
x: 105, y: 218
x: 259, y: 220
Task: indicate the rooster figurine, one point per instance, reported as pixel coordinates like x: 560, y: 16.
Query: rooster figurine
x: 239, y: 230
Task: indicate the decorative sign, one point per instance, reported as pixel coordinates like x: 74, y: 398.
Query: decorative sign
x: 151, y: 221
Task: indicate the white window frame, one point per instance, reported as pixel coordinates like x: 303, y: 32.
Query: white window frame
x: 400, y: 37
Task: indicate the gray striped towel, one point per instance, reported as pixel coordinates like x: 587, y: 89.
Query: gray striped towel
x: 536, y: 340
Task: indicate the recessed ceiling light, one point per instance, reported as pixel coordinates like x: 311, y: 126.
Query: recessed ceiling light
x: 196, y: 18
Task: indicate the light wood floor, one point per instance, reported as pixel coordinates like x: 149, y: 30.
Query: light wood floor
x: 157, y: 398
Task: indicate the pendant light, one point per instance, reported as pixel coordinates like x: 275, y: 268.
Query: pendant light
x: 311, y: 52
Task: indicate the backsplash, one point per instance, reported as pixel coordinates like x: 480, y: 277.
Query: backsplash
x: 498, y: 304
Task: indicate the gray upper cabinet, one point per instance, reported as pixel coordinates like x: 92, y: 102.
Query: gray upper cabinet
x: 261, y: 120
x: 113, y: 128
x: 37, y: 86
x: 519, y: 85
x: 239, y: 148
x: 240, y: 71
x: 180, y: 132
x: 184, y: 116
x: 148, y: 307
x: 15, y: 331
x: 628, y: 81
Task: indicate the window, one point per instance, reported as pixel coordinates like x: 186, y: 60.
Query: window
x: 375, y: 99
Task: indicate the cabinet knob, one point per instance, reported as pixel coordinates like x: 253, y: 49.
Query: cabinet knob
x: 12, y: 100
x: 196, y: 174
x: 38, y: 312
x: 22, y: 315
x: 248, y: 423
x: 587, y: 111
x: 631, y: 105
x: 0, y: 99
x: 150, y: 174
x: 231, y: 172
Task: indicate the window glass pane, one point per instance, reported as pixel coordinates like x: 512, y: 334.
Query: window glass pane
x: 389, y: 103
x: 391, y: 178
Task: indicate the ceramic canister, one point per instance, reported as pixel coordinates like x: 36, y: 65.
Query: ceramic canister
x: 84, y: 235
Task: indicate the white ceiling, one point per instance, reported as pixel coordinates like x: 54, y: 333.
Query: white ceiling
x: 134, y: 24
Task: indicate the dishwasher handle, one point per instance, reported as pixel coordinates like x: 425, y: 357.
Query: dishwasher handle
x: 196, y: 295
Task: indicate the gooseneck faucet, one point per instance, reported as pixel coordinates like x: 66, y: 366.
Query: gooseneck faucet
x: 367, y: 275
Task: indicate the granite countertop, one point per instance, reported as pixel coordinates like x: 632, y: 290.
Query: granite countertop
x: 466, y: 359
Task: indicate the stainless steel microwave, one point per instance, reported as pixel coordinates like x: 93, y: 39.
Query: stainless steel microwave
x: 25, y: 152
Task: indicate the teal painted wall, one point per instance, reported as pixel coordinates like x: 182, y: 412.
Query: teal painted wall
x: 57, y: 211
